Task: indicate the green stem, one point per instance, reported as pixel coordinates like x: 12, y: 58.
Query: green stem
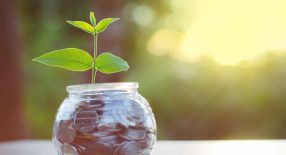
x: 94, y: 70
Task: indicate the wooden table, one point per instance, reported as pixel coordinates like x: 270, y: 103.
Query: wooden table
x: 249, y: 147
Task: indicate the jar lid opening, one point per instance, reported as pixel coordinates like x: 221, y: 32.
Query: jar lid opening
x: 101, y: 86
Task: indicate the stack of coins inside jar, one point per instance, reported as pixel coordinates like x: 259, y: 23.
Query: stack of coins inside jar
x: 107, y: 127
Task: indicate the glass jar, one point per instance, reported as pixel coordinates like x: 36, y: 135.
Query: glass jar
x: 104, y: 119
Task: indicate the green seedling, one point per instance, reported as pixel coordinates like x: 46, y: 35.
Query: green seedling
x: 75, y: 59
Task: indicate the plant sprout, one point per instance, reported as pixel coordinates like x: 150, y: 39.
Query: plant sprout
x: 75, y: 59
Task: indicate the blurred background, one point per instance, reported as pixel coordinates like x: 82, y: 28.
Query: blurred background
x: 210, y: 69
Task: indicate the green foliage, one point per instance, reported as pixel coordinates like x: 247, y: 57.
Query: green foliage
x: 108, y: 63
x: 79, y: 60
x: 103, y: 24
x: 70, y: 58
x: 83, y: 26
x: 92, y: 19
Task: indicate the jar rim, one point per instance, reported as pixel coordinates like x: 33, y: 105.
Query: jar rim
x: 102, y: 86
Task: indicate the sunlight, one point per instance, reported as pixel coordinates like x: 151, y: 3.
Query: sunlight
x: 163, y: 41
x: 227, y: 30
x: 237, y: 31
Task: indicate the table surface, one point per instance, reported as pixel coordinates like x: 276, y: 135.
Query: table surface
x: 243, y: 147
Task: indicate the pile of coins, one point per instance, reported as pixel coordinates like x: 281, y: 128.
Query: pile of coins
x: 107, y: 127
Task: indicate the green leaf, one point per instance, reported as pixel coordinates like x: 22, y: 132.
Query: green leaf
x: 103, y: 24
x: 109, y: 63
x: 83, y: 26
x: 69, y: 58
x: 92, y: 19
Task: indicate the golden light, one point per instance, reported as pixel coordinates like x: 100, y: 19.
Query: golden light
x: 229, y: 30
x: 164, y: 41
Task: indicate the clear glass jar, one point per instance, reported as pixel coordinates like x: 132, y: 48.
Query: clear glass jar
x: 104, y: 119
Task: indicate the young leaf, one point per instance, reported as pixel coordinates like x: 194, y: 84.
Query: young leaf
x: 83, y: 26
x: 69, y: 58
x: 103, y: 24
x: 92, y: 19
x: 108, y: 63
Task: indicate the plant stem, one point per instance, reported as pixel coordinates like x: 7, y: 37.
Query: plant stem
x: 94, y: 70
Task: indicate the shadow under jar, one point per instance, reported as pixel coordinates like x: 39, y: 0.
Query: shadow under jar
x: 104, y: 119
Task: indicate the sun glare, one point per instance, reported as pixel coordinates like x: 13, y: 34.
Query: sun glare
x: 229, y: 30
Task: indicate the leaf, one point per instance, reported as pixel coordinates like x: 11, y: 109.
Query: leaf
x: 92, y: 19
x: 109, y: 63
x: 69, y: 58
x: 103, y: 24
x: 83, y: 26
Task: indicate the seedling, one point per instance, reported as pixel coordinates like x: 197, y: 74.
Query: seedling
x: 75, y: 59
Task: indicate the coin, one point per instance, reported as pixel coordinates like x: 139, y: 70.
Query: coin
x: 95, y: 103
x: 68, y: 149
x: 83, y: 136
x: 107, y: 117
x: 112, y: 139
x: 130, y: 148
x: 66, y: 133
x: 85, y: 120
x: 134, y: 133
x: 98, y: 148
x: 129, y: 113
x: 81, y: 144
x: 108, y: 126
x: 118, y: 148
x: 101, y: 134
x: 120, y: 114
x: 148, y: 141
